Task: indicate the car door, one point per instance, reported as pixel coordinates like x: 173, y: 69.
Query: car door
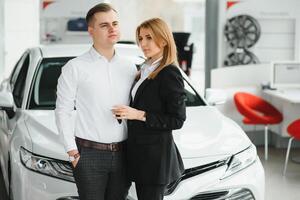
x: 16, y: 85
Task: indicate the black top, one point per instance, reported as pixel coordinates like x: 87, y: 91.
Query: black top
x: 153, y: 157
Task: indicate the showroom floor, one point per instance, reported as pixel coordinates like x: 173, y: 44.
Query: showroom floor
x: 277, y: 186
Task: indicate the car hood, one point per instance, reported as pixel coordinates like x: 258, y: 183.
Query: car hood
x: 44, y: 134
x: 207, y: 135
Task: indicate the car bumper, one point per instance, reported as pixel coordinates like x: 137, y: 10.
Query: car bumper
x: 248, y: 183
x: 29, y: 185
x: 251, y: 178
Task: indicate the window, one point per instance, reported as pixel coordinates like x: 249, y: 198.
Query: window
x: 43, y: 93
x: 192, y: 98
x: 16, y: 70
x: 18, y: 80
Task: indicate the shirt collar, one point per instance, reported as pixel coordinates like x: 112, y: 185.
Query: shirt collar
x: 95, y: 54
x: 153, y: 65
x: 148, y: 69
x: 156, y: 62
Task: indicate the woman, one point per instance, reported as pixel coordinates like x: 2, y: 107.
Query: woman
x: 157, y: 108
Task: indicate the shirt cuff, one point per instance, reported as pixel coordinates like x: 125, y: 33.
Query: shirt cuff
x: 71, y: 146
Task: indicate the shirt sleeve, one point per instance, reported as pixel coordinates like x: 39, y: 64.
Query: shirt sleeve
x: 133, y: 68
x: 65, y: 103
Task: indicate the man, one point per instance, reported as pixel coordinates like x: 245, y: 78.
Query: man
x: 92, y: 84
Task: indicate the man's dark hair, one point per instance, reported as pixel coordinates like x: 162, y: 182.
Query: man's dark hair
x: 101, y: 7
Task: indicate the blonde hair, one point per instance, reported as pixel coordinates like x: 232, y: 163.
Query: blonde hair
x: 161, y: 33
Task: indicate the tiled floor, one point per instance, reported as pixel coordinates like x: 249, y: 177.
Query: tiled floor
x: 279, y: 187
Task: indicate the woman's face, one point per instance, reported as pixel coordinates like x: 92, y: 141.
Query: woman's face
x: 148, y: 46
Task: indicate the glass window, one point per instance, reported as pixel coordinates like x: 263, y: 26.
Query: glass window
x: 192, y: 97
x: 43, y: 93
x: 18, y: 81
x: 16, y: 70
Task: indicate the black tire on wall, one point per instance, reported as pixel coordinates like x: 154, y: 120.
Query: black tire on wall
x: 242, y: 57
x: 242, y: 31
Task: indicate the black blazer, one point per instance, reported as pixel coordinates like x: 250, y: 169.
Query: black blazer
x: 153, y: 157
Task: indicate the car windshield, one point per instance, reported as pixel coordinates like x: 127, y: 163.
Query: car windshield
x: 43, y: 92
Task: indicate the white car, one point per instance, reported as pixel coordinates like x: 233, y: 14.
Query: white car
x: 220, y: 161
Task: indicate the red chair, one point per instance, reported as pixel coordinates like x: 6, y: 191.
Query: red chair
x: 257, y: 111
x: 294, y: 131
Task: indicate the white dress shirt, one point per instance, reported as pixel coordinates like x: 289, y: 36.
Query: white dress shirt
x: 93, y: 85
x: 146, y: 70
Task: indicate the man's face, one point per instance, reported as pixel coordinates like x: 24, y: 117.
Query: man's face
x: 104, y: 28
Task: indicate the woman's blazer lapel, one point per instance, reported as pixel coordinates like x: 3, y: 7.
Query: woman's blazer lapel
x: 130, y: 96
x: 140, y: 90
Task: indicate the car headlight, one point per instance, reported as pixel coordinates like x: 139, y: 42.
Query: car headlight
x: 47, y: 166
x: 241, y: 160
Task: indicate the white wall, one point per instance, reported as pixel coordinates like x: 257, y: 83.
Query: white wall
x: 1, y: 38
x: 128, y: 16
x: 181, y: 15
x: 54, y: 19
x: 133, y: 12
x: 240, y: 76
x: 21, y: 26
x: 22, y: 23
x: 280, y: 28
x: 243, y: 78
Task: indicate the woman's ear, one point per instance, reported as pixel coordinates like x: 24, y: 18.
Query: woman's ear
x: 163, y: 44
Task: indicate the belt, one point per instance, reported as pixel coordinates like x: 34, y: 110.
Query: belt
x: 118, y: 146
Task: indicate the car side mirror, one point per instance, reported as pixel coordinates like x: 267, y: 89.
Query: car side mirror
x: 215, y: 96
x: 7, y: 103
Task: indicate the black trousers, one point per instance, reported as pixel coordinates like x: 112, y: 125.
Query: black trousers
x: 101, y: 175
x: 149, y: 192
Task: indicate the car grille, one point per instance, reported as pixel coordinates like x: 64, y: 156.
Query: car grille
x: 64, y: 168
x: 194, y: 172
x: 233, y: 194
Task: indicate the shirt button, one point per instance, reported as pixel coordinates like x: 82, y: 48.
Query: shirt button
x: 165, y: 125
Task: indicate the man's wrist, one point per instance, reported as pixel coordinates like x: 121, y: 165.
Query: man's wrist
x: 142, y: 116
x: 74, y: 157
x: 72, y: 152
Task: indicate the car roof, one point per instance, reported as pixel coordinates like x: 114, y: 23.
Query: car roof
x: 72, y: 50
